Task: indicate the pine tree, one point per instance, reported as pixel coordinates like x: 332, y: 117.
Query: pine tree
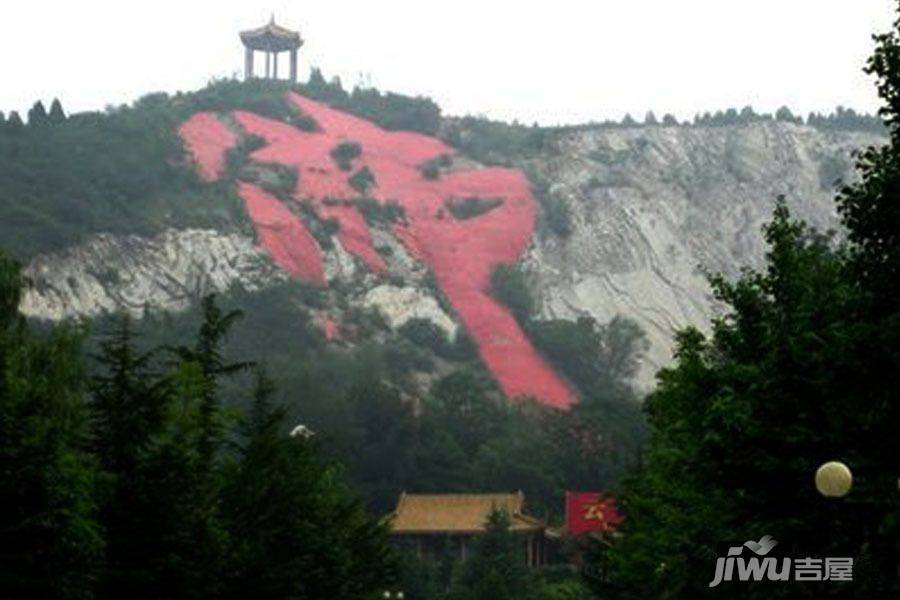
x: 57, y: 115
x: 496, y: 569
x: 37, y: 115
x: 129, y: 405
x: 51, y: 543
x: 784, y: 114
x: 207, y: 355
x: 296, y: 531
x: 14, y: 123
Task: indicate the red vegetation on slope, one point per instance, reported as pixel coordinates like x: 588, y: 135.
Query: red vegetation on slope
x: 461, y: 253
x: 208, y: 140
x: 284, y: 235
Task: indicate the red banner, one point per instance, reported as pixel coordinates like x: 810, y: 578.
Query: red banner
x: 590, y: 512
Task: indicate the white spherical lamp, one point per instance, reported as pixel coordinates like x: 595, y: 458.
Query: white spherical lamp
x: 834, y: 479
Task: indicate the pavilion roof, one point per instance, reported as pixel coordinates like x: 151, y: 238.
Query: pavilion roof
x: 457, y: 513
x: 271, y: 38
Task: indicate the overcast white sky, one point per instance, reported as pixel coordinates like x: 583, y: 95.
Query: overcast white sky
x: 559, y: 61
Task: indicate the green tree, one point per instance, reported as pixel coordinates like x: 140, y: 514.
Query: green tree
x: 129, y: 407
x: 459, y: 403
x: 296, y: 530
x: 14, y: 123
x: 37, y: 115
x: 509, y: 286
x: 496, y: 569
x: 57, y: 115
x: 51, y: 542
x: 207, y: 354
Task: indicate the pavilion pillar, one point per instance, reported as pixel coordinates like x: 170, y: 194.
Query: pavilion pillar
x: 294, y: 65
x: 275, y: 65
x: 248, y: 63
x: 268, y: 64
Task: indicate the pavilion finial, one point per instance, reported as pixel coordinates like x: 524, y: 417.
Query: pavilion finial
x: 272, y: 19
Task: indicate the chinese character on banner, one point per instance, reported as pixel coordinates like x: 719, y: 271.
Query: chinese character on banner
x: 590, y: 511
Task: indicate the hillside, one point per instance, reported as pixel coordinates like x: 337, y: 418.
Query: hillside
x: 411, y: 226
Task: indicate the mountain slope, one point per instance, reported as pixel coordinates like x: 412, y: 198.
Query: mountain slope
x: 619, y: 220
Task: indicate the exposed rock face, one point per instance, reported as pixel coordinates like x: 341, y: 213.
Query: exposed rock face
x: 112, y: 273
x: 401, y: 304
x: 654, y: 206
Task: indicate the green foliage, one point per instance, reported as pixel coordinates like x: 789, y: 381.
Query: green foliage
x: 345, y: 153
x: 279, y: 180
x: 14, y: 123
x: 375, y: 212
x: 395, y: 111
x: 832, y: 171
x: 391, y: 111
x: 595, y: 357
x: 496, y: 142
x: 471, y: 207
x: 52, y: 543
x: 496, y: 570
x: 120, y: 172
x: 57, y: 115
x: 362, y: 181
x: 150, y: 488
x: 669, y: 120
x: 37, y: 115
x: 261, y: 96
x: 510, y: 287
x: 555, y: 217
x: 431, y: 169
x: 283, y: 502
x: 784, y: 114
x: 424, y: 332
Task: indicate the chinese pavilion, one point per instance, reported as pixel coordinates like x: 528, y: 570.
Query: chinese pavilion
x: 271, y: 39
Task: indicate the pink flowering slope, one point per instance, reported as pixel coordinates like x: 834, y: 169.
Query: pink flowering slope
x: 208, y: 140
x: 461, y: 253
x: 283, y: 234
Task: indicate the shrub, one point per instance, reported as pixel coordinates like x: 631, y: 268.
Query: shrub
x: 468, y: 208
x: 510, y: 287
x: 425, y: 333
x: 345, y: 153
x: 362, y: 180
x: 375, y: 212
x: 832, y: 170
x: 432, y: 169
x: 555, y: 218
